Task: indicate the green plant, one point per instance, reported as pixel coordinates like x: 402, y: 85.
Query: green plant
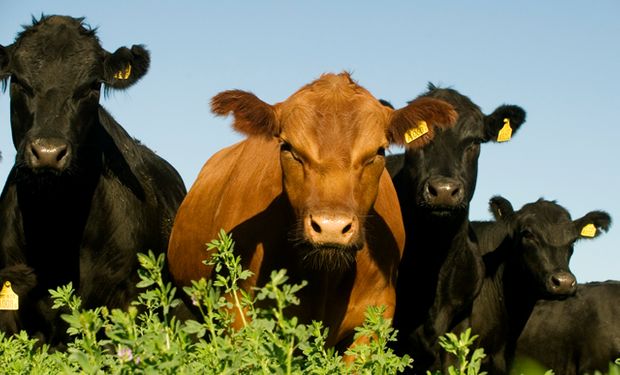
x: 460, y: 347
x: 147, y: 339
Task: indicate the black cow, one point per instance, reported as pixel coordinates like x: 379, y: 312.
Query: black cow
x: 575, y: 336
x: 83, y: 196
x: 529, y: 264
x: 435, y: 185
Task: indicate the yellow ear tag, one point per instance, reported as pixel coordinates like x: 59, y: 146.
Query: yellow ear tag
x: 505, y: 132
x: 124, y: 73
x: 8, y: 298
x: 417, y: 132
x: 588, y: 230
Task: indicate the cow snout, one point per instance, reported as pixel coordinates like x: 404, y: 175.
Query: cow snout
x: 563, y: 283
x: 443, y: 191
x: 330, y: 228
x: 48, y: 153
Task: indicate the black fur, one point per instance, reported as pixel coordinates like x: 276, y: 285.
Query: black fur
x: 522, y: 256
x: 81, y: 219
x: 440, y: 272
x: 579, y: 335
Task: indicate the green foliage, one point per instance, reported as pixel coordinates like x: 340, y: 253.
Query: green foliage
x: 460, y: 347
x: 147, y: 339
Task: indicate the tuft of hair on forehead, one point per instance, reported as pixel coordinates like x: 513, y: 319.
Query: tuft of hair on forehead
x: 333, y: 87
x: 55, y: 20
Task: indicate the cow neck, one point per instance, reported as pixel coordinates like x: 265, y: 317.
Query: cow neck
x: 430, y: 238
x: 507, y: 302
x: 54, y: 211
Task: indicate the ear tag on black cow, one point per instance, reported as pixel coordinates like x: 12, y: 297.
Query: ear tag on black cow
x: 415, y: 133
x: 123, y: 73
x: 505, y: 133
x: 589, y: 230
x: 8, y: 298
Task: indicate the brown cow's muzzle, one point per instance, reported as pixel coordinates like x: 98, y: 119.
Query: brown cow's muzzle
x: 330, y: 240
x: 338, y: 229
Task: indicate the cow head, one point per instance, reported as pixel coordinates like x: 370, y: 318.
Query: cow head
x: 542, y: 235
x: 442, y: 175
x: 56, y: 68
x: 333, y: 135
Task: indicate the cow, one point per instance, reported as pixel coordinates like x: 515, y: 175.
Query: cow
x: 83, y: 197
x: 526, y: 259
x: 307, y: 191
x: 578, y: 335
x: 435, y: 185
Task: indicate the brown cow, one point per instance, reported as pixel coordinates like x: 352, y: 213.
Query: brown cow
x: 307, y: 191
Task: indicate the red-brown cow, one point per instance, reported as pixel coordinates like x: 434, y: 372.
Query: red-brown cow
x: 308, y: 191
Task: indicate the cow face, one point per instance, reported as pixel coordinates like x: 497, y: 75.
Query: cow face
x: 333, y: 135
x: 56, y: 68
x: 443, y: 173
x: 543, y: 234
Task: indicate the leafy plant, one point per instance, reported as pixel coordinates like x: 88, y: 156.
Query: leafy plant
x: 460, y: 347
x: 147, y: 338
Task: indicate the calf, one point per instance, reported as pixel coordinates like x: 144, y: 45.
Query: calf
x: 529, y: 264
x: 308, y: 191
x: 435, y: 185
x: 83, y: 196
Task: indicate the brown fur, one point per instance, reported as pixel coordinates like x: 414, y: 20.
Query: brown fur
x: 334, y: 131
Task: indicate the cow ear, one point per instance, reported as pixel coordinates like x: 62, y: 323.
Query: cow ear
x: 252, y: 115
x: 592, y: 224
x: 125, y: 67
x: 501, y: 208
x: 503, y: 123
x: 414, y: 125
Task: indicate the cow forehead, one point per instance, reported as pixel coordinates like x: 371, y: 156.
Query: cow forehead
x: 57, y: 48
x: 333, y: 115
x: 548, y: 220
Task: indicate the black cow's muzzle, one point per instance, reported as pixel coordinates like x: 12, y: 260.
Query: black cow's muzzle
x: 47, y: 154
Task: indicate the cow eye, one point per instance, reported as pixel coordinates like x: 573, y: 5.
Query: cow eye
x: 527, y: 234
x: 286, y: 147
x: 86, y: 89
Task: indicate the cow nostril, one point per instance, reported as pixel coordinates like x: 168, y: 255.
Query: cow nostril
x: 556, y: 281
x: 33, y: 149
x: 315, y: 226
x: 346, y: 228
x: 456, y: 191
x: 432, y: 190
x: 61, y: 154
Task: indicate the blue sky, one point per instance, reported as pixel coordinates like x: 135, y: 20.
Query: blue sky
x: 559, y: 60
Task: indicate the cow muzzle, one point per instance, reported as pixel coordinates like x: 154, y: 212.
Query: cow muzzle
x: 47, y: 153
x: 443, y: 192
x: 331, y: 241
x: 562, y: 284
x: 337, y: 229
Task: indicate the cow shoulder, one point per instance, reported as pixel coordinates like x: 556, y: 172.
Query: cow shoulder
x: 236, y: 184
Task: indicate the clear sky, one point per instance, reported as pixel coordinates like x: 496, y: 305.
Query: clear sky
x: 559, y: 60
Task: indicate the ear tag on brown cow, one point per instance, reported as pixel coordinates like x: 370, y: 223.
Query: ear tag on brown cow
x: 589, y: 230
x: 8, y: 298
x: 123, y: 73
x: 505, y: 133
x: 417, y: 132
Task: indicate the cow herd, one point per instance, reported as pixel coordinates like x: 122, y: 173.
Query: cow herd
x: 310, y: 190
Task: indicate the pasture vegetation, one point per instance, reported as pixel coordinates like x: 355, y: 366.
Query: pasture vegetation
x: 147, y: 339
